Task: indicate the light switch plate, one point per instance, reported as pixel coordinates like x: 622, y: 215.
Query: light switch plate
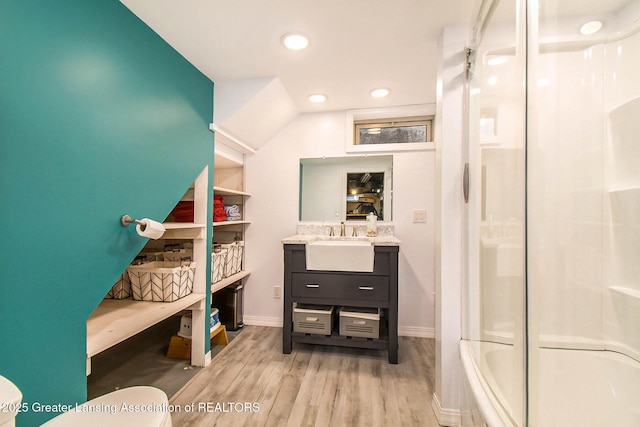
x: 419, y: 215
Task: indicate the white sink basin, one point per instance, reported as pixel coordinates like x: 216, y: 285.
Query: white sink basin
x: 340, y: 255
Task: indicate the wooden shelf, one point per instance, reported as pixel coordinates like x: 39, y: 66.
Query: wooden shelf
x: 215, y: 287
x: 184, y: 230
x: 229, y: 192
x: 225, y: 223
x: 113, y: 321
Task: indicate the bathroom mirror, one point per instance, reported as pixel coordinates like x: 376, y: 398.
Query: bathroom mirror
x: 346, y: 188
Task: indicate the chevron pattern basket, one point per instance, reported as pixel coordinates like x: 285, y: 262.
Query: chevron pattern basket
x: 121, y: 289
x: 161, y: 281
x: 218, y: 262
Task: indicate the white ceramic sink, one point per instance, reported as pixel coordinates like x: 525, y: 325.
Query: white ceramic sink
x: 340, y: 255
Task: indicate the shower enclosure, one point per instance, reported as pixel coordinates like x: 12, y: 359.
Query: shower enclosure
x: 551, y: 312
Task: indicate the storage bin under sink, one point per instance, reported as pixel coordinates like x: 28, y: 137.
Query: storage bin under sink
x: 360, y: 322
x: 312, y: 319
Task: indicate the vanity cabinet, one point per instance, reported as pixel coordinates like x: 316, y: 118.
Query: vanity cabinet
x: 378, y: 289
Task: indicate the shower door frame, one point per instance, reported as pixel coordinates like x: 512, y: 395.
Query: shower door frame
x: 485, y: 10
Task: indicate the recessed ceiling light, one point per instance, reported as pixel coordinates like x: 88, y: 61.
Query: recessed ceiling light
x: 590, y: 27
x: 380, y: 93
x: 295, y: 41
x: 317, y: 98
x: 492, y: 81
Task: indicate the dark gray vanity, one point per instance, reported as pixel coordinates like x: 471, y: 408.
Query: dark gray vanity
x: 376, y: 289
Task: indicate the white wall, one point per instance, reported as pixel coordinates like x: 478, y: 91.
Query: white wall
x: 272, y: 177
x: 451, y: 212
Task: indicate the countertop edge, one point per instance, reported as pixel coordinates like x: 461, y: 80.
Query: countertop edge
x: 376, y: 241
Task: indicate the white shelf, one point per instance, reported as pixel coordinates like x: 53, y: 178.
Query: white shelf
x: 113, y: 321
x: 229, y: 192
x: 224, y: 223
x: 232, y: 141
x: 215, y: 287
x: 184, y: 230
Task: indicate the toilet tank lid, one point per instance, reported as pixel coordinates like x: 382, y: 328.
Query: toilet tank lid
x: 10, y: 397
x: 131, y: 406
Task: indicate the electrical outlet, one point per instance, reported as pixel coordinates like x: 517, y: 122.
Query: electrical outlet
x: 277, y: 292
x: 419, y: 215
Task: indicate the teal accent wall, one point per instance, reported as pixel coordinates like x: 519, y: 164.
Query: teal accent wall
x: 99, y: 117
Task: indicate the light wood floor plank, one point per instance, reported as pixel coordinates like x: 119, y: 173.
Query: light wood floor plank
x: 313, y: 386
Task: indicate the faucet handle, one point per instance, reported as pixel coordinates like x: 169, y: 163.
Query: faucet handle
x: 331, y: 233
x: 354, y: 233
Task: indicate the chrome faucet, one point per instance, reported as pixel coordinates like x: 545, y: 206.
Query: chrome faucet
x: 343, y: 231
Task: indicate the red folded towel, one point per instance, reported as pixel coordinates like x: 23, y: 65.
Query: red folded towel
x: 218, y: 209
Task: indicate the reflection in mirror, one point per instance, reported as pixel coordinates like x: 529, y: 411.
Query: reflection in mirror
x: 365, y: 194
x: 323, y: 182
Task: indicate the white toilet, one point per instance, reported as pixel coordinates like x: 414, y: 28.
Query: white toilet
x: 129, y: 407
x: 10, y: 399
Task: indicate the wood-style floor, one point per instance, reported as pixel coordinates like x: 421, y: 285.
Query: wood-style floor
x: 251, y: 383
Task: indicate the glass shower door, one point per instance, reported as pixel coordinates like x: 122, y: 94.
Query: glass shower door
x: 495, y: 303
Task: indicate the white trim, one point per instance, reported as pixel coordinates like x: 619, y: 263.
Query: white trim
x: 385, y: 113
x: 232, y: 155
x: 231, y: 140
x: 416, y: 331
x: 403, y: 331
x: 445, y: 417
x: 274, y: 322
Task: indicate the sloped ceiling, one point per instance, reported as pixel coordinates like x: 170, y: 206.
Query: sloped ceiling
x: 355, y: 46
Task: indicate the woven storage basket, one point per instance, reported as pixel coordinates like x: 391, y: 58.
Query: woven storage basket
x: 177, y: 255
x: 161, y: 281
x: 233, y: 259
x: 121, y: 289
x: 218, y: 262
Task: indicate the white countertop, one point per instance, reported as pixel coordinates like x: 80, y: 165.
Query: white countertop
x: 307, y: 238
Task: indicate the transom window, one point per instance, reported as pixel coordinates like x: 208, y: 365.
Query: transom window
x: 404, y: 130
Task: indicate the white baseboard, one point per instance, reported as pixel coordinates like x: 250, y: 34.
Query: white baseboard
x: 275, y: 322
x: 416, y: 331
x: 445, y: 417
x: 403, y: 331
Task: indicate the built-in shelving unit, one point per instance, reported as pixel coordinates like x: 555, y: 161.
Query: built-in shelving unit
x: 229, y: 182
x: 226, y: 223
x: 184, y: 230
x: 115, y: 320
x: 229, y: 192
x: 215, y: 287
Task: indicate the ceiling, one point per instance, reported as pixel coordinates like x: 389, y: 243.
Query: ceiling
x: 355, y: 45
